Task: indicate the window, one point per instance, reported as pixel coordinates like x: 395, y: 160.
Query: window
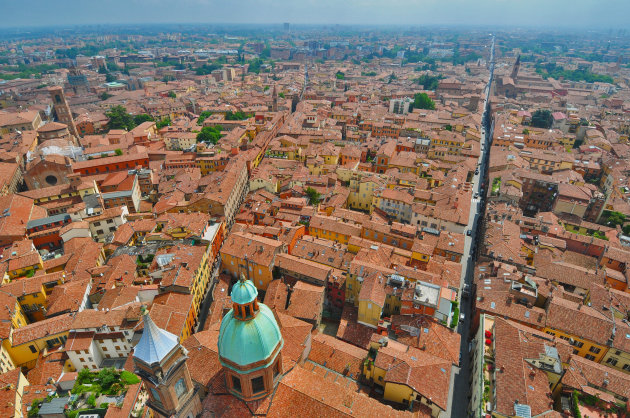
x: 104, y: 348
x: 155, y: 394
x: 626, y: 367
x: 258, y: 384
x: 589, y: 357
x: 612, y: 361
x: 180, y: 387
x: 81, y: 359
x: 276, y: 369
x: 236, y: 384
x: 595, y: 350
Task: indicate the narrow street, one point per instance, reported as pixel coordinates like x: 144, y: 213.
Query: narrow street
x: 460, y: 386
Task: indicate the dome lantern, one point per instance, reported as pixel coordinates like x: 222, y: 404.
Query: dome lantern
x: 244, y: 299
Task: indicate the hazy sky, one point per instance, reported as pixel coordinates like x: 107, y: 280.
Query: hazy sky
x: 551, y: 13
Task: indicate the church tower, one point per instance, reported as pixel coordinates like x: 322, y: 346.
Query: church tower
x: 62, y: 109
x: 516, y: 67
x: 160, y: 361
x: 250, y: 345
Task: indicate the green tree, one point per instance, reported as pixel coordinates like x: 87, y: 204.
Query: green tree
x: 542, y: 118
x: 255, y: 66
x: 113, y: 66
x: 84, y: 376
x: 205, y: 114
x: 340, y: 75
x: 91, y: 400
x: 206, y: 69
x: 172, y: 94
x: 141, y: 118
x: 525, y: 131
x: 423, y: 101
x: 448, y: 127
x: 235, y: 116
x: 107, y: 377
x: 104, y: 95
x: 551, y: 69
x: 118, y: 151
x: 313, y: 196
x: 109, y: 78
x: 119, y: 118
x: 281, y: 95
x: 429, y: 82
x: 210, y: 134
x: 615, y: 218
x: 163, y: 122
x: 34, y: 411
x: 626, y: 230
x: 576, y: 404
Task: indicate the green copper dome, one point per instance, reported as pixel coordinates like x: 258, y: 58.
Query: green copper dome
x: 244, y: 292
x: 250, y: 341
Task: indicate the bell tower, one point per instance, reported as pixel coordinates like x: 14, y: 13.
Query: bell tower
x: 160, y: 361
x: 517, y: 66
x: 62, y: 109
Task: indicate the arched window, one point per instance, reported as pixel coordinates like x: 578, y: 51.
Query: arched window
x: 180, y: 387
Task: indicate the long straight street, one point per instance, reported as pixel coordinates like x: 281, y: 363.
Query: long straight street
x: 460, y: 385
